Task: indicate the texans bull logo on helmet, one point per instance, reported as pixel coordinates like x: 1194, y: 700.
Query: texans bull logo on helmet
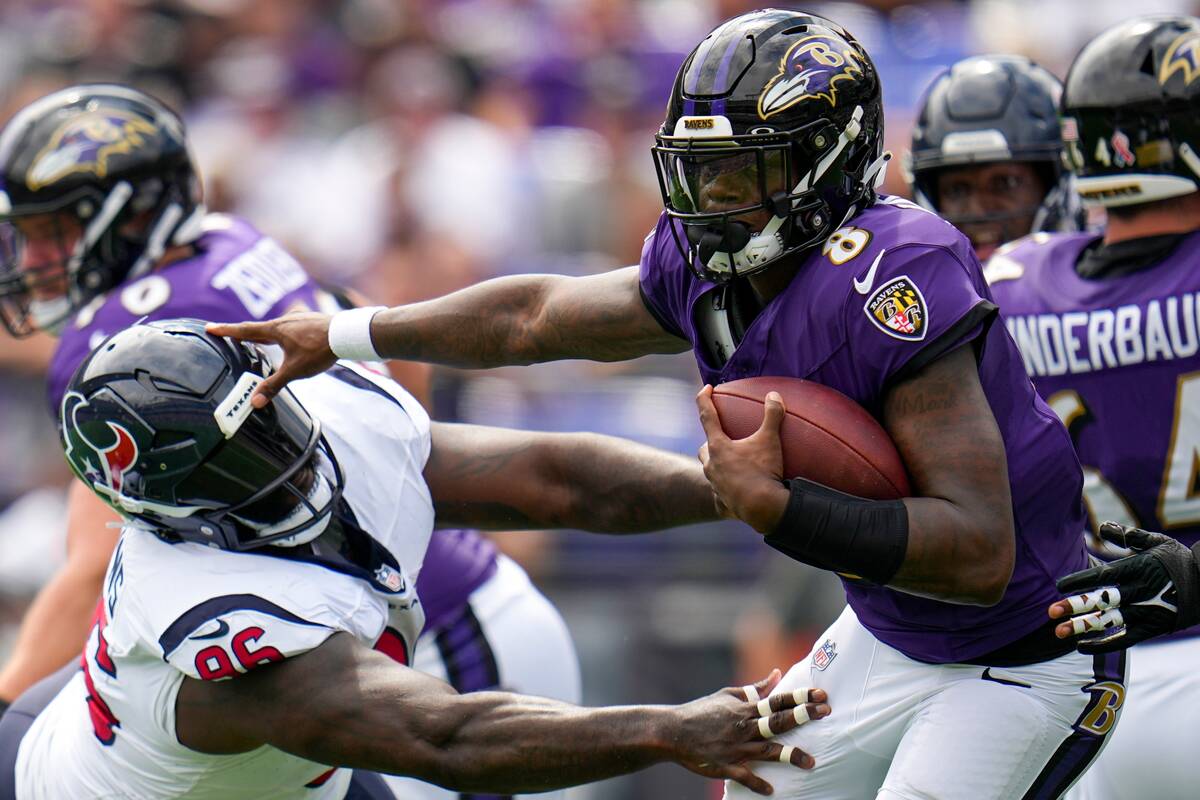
x: 85, y: 143
x: 98, y: 462
x: 811, y: 69
x: 1183, y: 56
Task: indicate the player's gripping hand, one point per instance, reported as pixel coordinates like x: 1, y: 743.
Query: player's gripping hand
x: 721, y: 734
x: 746, y: 474
x: 304, y: 338
x: 1113, y: 606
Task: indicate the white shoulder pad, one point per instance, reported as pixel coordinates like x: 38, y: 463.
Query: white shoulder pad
x: 212, y: 613
x: 232, y: 634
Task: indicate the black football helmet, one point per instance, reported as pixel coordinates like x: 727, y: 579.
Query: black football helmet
x: 994, y: 108
x: 158, y: 422
x: 116, y: 161
x: 1131, y: 110
x: 776, y: 114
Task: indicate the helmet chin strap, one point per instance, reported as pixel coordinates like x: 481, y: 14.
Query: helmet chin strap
x: 767, y: 244
x: 156, y: 242
x: 876, y: 173
x: 118, y: 196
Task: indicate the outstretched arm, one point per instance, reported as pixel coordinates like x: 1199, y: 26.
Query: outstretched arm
x: 497, y: 478
x: 344, y: 705
x: 56, y: 625
x: 521, y: 319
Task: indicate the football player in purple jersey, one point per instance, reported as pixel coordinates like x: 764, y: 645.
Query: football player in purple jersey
x: 102, y: 207
x: 1107, y: 328
x: 775, y: 256
x: 986, y: 152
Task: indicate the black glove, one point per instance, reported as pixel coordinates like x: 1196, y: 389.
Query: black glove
x: 1153, y: 592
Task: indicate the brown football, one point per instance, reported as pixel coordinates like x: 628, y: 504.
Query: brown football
x: 827, y: 437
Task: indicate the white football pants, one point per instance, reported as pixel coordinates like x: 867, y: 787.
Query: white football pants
x: 905, y: 730
x: 1153, y: 751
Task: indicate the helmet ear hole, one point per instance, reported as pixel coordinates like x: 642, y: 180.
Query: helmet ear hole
x: 1148, y: 64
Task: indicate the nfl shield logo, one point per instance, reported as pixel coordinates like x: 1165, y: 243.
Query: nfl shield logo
x: 824, y: 655
x: 389, y: 578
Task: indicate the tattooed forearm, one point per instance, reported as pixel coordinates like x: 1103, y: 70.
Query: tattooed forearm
x: 525, y: 319
x: 961, y: 541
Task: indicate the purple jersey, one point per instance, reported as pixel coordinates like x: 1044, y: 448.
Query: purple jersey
x: 886, y: 294
x: 1117, y: 358
x: 456, y: 563
x: 239, y: 274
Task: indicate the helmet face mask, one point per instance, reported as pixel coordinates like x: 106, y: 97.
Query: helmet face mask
x: 115, y: 161
x: 37, y: 265
x: 994, y: 110
x: 158, y: 423
x: 772, y: 139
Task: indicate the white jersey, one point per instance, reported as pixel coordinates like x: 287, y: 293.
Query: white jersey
x: 175, y: 610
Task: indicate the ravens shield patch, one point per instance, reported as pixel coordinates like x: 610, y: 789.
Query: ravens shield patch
x: 898, y: 309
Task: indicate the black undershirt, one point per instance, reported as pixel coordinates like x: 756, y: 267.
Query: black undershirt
x: 1099, y: 260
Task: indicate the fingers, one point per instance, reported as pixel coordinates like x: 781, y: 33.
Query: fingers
x: 743, y: 775
x: 795, y: 756
x: 784, y: 754
x: 1101, y: 599
x: 786, y: 700
x: 702, y: 454
x: 1097, y: 621
x: 781, y: 712
x: 1090, y: 611
x: 773, y: 414
x: 1083, y: 580
x: 244, y: 331
x: 709, y: 419
x: 760, y: 689
x: 1133, y: 538
x: 271, y: 385
x: 1059, y: 609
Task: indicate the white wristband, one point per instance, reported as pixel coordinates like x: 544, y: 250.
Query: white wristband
x: 350, y: 334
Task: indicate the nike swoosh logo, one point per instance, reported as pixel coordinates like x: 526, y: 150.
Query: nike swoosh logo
x: 222, y: 629
x: 864, y: 286
x: 988, y: 676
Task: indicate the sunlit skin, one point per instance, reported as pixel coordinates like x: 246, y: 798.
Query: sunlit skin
x: 48, y: 240
x: 1013, y: 188
x: 738, y: 189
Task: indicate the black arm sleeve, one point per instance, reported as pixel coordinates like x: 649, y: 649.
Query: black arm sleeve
x: 840, y: 532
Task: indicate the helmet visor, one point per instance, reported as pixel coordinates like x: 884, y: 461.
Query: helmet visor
x: 731, y: 179
x: 271, y: 445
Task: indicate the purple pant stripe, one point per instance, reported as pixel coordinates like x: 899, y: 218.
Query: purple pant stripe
x: 1079, y: 749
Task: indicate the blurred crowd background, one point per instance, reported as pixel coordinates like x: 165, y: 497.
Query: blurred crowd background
x: 407, y: 148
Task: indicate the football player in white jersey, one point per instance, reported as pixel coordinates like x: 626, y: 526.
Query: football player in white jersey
x: 260, y: 607
x: 72, y: 153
